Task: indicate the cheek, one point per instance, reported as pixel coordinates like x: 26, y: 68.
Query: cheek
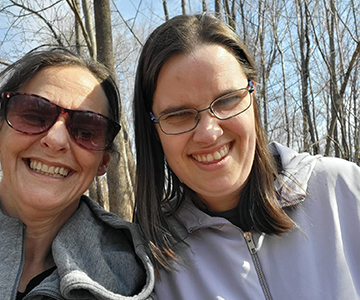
x: 13, y: 141
x: 173, y: 147
x: 242, y: 126
x: 246, y: 123
x: 88, y: 160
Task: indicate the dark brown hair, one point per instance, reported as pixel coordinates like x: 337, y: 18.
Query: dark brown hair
x: 156, y: 182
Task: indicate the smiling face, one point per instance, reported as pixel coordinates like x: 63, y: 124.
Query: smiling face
x: 47, y: 173
x: 214, y: 159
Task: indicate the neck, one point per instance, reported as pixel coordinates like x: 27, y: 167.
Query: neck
x: 37, y: 254
x: 42, y: 226
x: 40, y: 233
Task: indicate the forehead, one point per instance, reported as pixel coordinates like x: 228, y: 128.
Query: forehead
x: 68, y: 86
x: 198, y: 77
x: 211, y: 57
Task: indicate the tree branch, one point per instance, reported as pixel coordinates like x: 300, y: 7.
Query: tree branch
x: 36, y: 13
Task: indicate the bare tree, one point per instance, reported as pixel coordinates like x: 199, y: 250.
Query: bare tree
x: 304, y: 70
x: 77, y: 29
x: 120, y: 179
x: 218, y: 13
x: 166, y: 12
x: 87, y: 30
x: 337, y: 80
x: 183, y: 7
x: 38, y: 14
x: 306, y: 59
x: 204, y: 6
x: 278, y: 42
x: 230, y: 14
x: 89, y: 25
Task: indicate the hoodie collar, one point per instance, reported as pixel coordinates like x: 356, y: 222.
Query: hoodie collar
x: 296, y: 170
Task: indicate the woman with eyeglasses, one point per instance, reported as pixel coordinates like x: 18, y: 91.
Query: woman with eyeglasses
x: 59, y: 117
x: 226, y: 215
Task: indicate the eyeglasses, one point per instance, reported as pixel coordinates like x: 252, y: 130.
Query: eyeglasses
x: 32, y: 114
x: 223, y: 108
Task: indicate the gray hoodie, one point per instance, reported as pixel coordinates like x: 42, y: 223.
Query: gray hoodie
x: 97, y: 254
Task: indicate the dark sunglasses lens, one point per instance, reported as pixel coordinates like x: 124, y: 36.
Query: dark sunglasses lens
x: 90, y: 130
x: 30, y: 114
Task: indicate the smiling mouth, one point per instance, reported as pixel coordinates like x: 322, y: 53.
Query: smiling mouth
x: 215, y: 156
x: 52, y: 171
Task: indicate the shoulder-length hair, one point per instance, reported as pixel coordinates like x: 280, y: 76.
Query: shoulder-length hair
x: 156, y: 182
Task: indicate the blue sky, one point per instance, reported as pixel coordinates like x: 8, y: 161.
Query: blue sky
x: 148, y: 12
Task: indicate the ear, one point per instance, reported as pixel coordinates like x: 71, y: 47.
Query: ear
x: 103, y: 166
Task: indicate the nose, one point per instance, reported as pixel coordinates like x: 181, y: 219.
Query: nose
x: 57, y: 137
x: 208, y: 128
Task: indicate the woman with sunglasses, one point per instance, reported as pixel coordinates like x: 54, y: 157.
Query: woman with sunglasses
x: 59, y: 117
x: 226, y: 215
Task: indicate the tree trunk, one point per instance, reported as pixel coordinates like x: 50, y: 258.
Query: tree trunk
x: 304, y: 74
x: 166, y: 12
x: 230, y: 16
x: 183, y: 7
x: 120, y: 177
x: 263, y: 73
x: 334, y: 96
x: 218, y: 9
x: 233, y: 15
x: 89, y: 25
x: 284, y: 88
x: 204, y: 6
x: 356, y: 95
x: 77, y: 29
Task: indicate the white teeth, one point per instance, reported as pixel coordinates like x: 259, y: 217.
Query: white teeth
x: 217, y: 155
x: 49, y: 171
x: 62, y: 171
x: 209, y: 157
x: 37, y: 167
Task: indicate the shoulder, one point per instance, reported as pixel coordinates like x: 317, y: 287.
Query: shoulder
x: 338, y: 174
x: 99, y: 246
x: 294, y: 161
x: 105, y: 220
x: 300, y: 170
x: 337, y: 166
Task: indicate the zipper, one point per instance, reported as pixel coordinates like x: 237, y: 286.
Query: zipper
x: 253, y: 251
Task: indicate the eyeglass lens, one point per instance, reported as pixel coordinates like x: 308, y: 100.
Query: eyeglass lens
x: 32, y: 114
x: 223, y: 108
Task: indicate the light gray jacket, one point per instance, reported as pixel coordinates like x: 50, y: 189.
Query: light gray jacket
x: 320, y: 260
x: 97, y: 254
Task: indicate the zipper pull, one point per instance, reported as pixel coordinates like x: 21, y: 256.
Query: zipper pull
x: 250, y: 243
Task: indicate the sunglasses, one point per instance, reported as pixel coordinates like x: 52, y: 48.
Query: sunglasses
x: 32, y: 114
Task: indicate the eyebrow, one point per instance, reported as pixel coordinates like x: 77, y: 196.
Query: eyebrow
x: 173, y: 108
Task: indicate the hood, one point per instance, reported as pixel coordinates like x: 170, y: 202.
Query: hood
x: 296, y: 169
x: 102, y: 256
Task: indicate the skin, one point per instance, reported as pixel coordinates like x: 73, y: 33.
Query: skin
x: 42, y: 202
x: 214, y: 159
